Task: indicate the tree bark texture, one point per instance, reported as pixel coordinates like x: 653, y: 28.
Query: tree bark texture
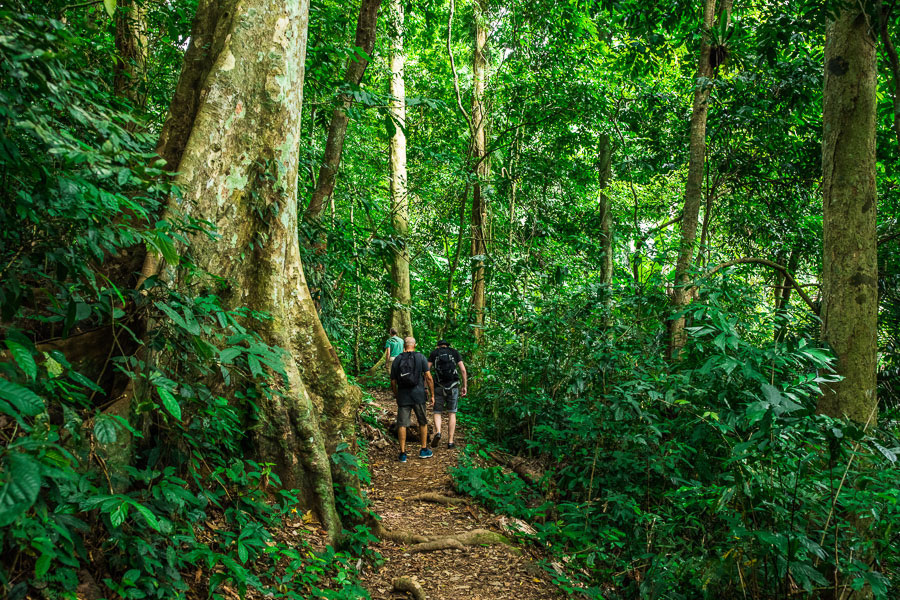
x: 337, y: 130
x: 238, y: 170
x: 693, y: 189
x: 401, y: 297
x: 131, y: 51
x: 849, y: 262
x: 482, y: 169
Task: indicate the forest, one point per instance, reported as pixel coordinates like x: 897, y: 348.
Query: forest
x: 664, y: 238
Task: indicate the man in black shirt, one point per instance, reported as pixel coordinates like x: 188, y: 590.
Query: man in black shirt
x: 447, y: 365
x: 410, y: 374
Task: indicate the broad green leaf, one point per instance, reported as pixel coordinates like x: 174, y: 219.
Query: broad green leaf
x: 42, y: 565
x: 169, y: 402
x: 105, y: 430
x: 148, y: 515
x: 26, y: 402
x: 23, y: 358
x: 110, y: 6
x: 23, y: 482
x: 117, y: 517
x: 172, y: 314
x: 227, y: 356
x: 255, y: 367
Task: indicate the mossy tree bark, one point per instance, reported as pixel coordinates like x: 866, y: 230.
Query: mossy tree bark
x: 693, y: 189
x: 238, y: 170
x: 482, y: 169
x: 849, y: 262
x: 401, y: 297
x: 337, y: 129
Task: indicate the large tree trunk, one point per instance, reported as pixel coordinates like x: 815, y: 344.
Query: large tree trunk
x: 337, y: 130
x: 482, y: 169
x: 849, y: 263
x: 693, y: 192
x: 131, y: 51
x: 400, y: 293
x: 240, y: 161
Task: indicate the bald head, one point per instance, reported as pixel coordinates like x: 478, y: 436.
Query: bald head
x: 409, y: 343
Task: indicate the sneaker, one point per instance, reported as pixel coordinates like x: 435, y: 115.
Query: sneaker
x: 450, y: 445
x: 425, y: 453
x: 435, y: 440
x: 402, y: 457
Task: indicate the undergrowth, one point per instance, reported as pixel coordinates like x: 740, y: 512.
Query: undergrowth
x: 126, y: 473
x: 715, y: 478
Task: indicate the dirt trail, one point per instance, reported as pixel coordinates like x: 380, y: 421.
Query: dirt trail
x: 476, y: 572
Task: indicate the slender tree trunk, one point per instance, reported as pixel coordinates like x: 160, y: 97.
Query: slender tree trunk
x: 400, y: 293
x: 482, y: 169
x: 693, y: 189
x: 337, y: 130
x: 131, y: 51
x: 604, y: 171
x: 783, y: 295
x: 229, y: 176
x: 849, y: 263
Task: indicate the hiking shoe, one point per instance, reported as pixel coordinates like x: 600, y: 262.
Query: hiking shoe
x: 402, y: 457
x: 425, y: 453
x: 450, y: 445
x: 435, y: 440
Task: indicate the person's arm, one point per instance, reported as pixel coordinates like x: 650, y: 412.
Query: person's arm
x: 465, y: 378
x: 429, y: 383
x: 394, y: 387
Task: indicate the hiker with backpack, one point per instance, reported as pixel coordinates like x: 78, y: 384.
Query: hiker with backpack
x: 448, y: 367
x: 392, y: 349
x: 410, y: 374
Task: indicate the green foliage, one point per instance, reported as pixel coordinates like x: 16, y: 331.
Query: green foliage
x: 713, y: 479
x: 129, y: 464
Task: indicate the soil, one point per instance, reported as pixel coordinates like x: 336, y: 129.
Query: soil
x: 476, y: 572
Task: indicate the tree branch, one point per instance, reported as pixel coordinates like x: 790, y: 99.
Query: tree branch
x: 453, y: 66
x: 768, y: 263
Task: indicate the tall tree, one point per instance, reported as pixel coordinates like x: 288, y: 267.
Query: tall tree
x: 243, y: 178
x: 482, y: 167
x: 693, y: 189
x: 131, y: 50
x: 849, y: 261
x: 337, y: 129
x: 400, y: 293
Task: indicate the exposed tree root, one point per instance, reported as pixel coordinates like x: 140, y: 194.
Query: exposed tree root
x: 401, y: 537
x: 476, y: 537
x: 447, y: 543
x: 409, y: 585
x: 519, y: 469
x: 437, y: 498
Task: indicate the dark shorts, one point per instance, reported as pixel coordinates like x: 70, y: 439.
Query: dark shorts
x: 404, y: 413
x: 445, y: 400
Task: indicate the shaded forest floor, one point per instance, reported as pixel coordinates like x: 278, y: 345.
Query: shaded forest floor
x: 474, y: 571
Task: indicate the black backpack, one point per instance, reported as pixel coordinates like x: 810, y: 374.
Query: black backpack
x: 445, y: 367
x: 407, y: 370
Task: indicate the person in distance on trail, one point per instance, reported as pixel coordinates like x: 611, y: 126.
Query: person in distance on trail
x: 392, y: 348
x: 410, y: 374
x: 448, y: 367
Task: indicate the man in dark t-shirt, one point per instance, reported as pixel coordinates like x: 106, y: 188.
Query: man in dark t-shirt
x: 447, y: 365
x: 410, y: 375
